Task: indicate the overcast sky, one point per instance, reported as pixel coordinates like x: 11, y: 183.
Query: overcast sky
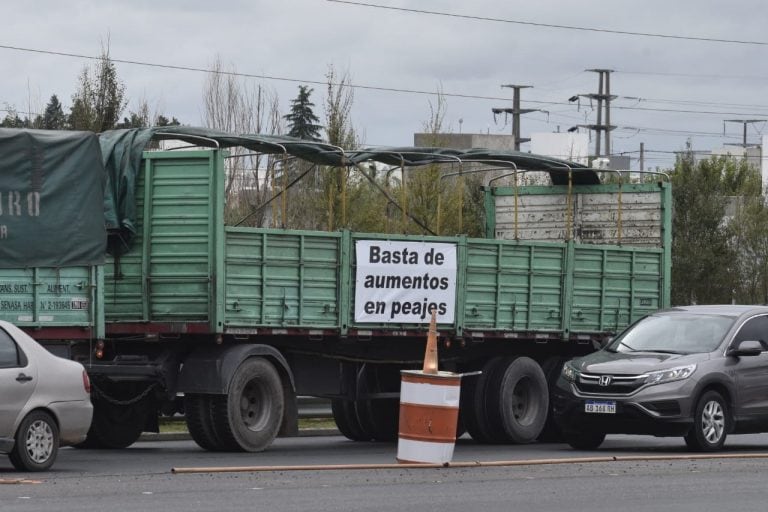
x: 468, y: 54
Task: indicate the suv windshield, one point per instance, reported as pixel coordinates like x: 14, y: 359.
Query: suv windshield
x: 679, y: 333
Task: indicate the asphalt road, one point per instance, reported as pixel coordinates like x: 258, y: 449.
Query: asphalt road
x: 140, y: 479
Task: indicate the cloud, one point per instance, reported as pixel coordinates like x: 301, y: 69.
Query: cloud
x: 299, y: 39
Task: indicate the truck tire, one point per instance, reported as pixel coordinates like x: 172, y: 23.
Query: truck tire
x: 381, y: 418
x: 37, y: 443
x: 473, y: 403
x: 197, y: 410
x: 584, y: 440
x: 551, y: 433
x: 345, y: 415
x: 519, y: 400
x: 248, y: 418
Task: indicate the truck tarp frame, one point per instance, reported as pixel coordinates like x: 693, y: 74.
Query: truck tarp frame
x: 122, y: 151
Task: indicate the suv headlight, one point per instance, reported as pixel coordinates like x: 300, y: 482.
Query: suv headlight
x: 570, y: 373
x: 672, y: 374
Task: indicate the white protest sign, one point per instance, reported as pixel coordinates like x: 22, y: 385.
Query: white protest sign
x: 401, y: 282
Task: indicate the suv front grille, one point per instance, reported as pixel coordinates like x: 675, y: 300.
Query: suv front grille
x: 616, y: 384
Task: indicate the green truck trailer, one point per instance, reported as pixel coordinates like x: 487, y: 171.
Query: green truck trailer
x: 230, y: 324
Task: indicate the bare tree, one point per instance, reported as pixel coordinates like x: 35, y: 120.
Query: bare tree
x: 231, y: 105
x: 441, y: 196
x: 339, y: 184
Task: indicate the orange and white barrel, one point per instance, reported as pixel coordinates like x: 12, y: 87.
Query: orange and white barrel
x: 429, y: 414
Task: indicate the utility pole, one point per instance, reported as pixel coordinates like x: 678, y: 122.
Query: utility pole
x: 603, y: 97
x: 642, y: 156
x: 516, y: 111
x: 745, y: 122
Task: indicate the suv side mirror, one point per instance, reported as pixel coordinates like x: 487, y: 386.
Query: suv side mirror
x: 746, y: 348
x: 604, y: 342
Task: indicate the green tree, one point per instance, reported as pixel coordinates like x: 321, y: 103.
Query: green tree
x: 164, y: 121
x: 100, y: 97
x: 441, y: 197
x: 143, y: 118
x: 12, y: 119
x: 705, y: 242
x: 750, y: 239
x: 302, y: 121
x: 140, y: 118
x: 53, y: 117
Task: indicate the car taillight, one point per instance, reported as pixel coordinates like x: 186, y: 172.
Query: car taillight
x: 86, y: 382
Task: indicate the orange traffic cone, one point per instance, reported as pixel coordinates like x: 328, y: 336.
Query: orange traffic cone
x: 430, y: 357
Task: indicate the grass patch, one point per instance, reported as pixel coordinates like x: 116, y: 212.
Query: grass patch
x: 307, y: 423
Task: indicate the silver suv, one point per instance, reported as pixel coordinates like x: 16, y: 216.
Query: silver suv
x: 700, y: 372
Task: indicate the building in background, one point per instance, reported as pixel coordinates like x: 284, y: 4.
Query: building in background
x: 573, y: 147
x: 756, y: 155
x: 464, y: 141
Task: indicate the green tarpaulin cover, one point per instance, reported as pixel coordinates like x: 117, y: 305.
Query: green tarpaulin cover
x: 60, y: 190
x: 51, y: 199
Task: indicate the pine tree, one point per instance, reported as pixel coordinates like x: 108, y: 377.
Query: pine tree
x: 53, y: 117
x: 100, y: 97
x: 302, y: 121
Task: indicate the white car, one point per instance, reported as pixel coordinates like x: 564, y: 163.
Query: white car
x: 45, y: 401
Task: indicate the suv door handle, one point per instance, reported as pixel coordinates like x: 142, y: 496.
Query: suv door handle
x: 23, y: 378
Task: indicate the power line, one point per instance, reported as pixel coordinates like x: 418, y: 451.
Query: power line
x: 695, y: 102
x: 694, y: 75
x: 12, y: 111
x: 552, y: 25
x: 670, y: 131
x: 662, y: 131
x: 354, y: 86
x: 252, y: 75
x: 681, y: 111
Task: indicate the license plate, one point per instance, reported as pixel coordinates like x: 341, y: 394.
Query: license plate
x: 600, y: 407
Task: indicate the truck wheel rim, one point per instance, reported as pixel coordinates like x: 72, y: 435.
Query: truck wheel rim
x: 521, y: 401
x: 39, y: 441
x: 713, y: 422
x: 255, y: 405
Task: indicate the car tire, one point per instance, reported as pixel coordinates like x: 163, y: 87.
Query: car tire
x: 37, y: 443
x: 710, y: 423
x: 584, y: 440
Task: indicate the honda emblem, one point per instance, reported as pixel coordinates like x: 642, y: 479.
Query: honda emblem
x: 605, y: 380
